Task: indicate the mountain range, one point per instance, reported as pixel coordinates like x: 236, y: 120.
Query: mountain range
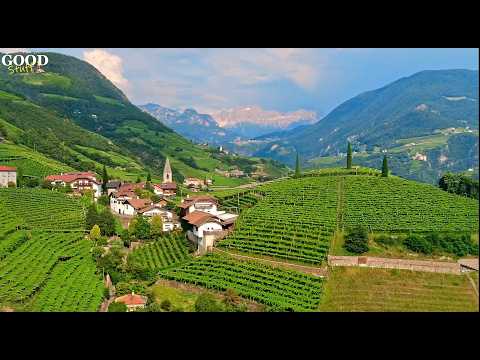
x: 432, y: 113
x: 228, y: 127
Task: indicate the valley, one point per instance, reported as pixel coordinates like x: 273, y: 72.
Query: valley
x: 110, y: 207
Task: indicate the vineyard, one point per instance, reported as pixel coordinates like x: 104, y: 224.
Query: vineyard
x: 45, y: 262
x: 238, y: 201
x: 394, y: 204
x: 284, y: 290
x: 37, y: 209
x: 163, y: 252
x: 295, y: 221
x: 31, y: 163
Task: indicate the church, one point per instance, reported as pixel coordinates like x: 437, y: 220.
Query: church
x: 168, y: 187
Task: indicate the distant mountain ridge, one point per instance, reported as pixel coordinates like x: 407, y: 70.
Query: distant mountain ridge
x: 200, y: 128
x: 418, y: 105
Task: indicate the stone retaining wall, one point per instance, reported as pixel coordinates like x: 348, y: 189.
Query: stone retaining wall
x: 386, y: 263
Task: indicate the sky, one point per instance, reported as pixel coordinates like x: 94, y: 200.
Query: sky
x: 282, y: 79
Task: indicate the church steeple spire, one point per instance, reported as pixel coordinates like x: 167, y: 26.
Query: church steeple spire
x: 167, y: 172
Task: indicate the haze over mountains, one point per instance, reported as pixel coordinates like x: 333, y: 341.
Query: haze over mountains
x: 225, y: 126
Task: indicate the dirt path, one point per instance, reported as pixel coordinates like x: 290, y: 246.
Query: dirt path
x: 474, y: 286
x: 316, y: 271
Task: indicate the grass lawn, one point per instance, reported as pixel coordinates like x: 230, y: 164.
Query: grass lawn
x: 180, y: 298
x: 184, y: 295
x: 365, y: 289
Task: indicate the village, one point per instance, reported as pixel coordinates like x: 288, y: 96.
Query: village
x: 199, y: 215
x: 196, y: 217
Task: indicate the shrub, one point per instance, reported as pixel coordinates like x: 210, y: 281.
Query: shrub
x: 117, y: 307
x: 387, y: 240
x: 206, y: 303
x: 166, y: 305
x: 104, y: 200
x: 356, y: 240
x: 418, y: 244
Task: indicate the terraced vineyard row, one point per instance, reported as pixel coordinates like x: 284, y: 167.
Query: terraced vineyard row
x: 295, y: 220
x: 284, y: 290
x: 393, y: 204
x: 45, y: 209
x: 165, y: 251
x: 32, y: 164
x: 41, y: 269
x: 239, y: 200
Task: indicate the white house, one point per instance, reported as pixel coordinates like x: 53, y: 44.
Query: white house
x: 8, y: 175
x: 203, y: 203
x: 78, y: 181
x: 169, y: 219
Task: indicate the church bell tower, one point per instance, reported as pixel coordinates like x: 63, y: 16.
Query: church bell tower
x: 167, y: 172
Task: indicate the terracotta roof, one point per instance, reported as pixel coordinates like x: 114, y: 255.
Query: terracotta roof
x: 150, y: 207
x: 113, y: 184
x: 198, y: 218
x: 132, y: 299
x: 131, y: 186
x: 199, y: 198
x: 71, y: 177
x: 7, y: 168
x: 139, y: 203
x: 168, y: 186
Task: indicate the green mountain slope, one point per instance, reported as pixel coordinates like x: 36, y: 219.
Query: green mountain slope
x: 419, y: 105
x: 73, y: 114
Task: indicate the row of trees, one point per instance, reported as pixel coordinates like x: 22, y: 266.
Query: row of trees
x: 459, y: 184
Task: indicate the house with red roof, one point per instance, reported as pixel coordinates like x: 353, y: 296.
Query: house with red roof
x: 8, y: 176
x: 133, y: 301
x: 78, y: 181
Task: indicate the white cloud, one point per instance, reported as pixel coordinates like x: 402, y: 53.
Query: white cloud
x: 252, y: 66
x: 108, y: 64
x: 13, y: 50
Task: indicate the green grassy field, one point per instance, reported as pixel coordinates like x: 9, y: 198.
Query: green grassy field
x: 364, y: 289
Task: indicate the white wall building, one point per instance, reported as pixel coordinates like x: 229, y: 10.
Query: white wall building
x: 8, y: 175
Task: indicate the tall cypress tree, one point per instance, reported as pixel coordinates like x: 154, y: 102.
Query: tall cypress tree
x: 149, y: 177
x: 385, y: 166
x: 105, y: 179
x: 297, y: 167
x: 349, y: 156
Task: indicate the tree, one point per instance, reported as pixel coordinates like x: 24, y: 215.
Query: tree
x: 104, y: 179
x: 156, y: 226
x: 385, y: 166
x: 206, y: 303
x: 297, y: 167
x: 95, y: 233
x: 142, y: 228
x: 20, y: 177
x: 356, y: 240
x: 149, y: 177
x: 349, y: 156
x: 92, y: 216
x: 138, y: 179
x: 106, y: 221
x: 117, y: 307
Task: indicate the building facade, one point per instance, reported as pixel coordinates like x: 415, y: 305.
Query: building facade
x: 8, y: 176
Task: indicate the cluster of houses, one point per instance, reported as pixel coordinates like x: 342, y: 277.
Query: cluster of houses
x: 125, y: 201
x: 195, y: 184
x: 200, y: 213
x: 208, y: 224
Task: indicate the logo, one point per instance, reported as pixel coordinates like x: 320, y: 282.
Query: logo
x: 24, y: 63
